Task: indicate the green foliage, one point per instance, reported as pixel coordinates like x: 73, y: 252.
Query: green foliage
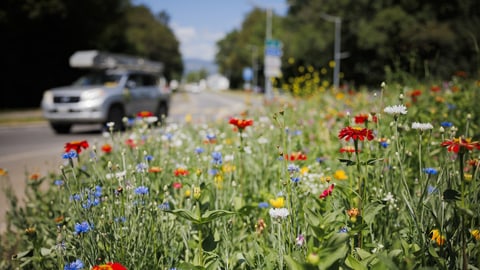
x: 277, y: 194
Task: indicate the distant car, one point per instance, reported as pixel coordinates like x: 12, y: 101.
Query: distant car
x: 106, y: 95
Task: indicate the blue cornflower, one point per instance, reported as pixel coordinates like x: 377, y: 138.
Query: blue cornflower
x: 199, y: 150
x: 76, y: 265
x: 70, y: 155
x: 141, y: 190
x: 451, y: 106
x: 120, y: 219
x: 213, y: 171
x: 384, y: 144
x: 58, y: 182
x: 217, y: 158
x: 164, y: 206
x: 211, y: 137
x: 343, y: 230
x: 75, y: 197
x: 446, y: 124
x: 263, y: 205
x: 98, y: 191
x: 293, y: 168
x: 430, y: 171
x: 91, y: 202
x: 431, y: 189
x: 148, y: 157
x: 295, y: 179
x: 142, y: 167
x: 83, y: 227
x: 320, y: 159
x: 169, y: 136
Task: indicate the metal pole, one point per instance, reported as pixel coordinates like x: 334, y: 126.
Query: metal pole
x: 268, y: 35
x: 337, y: 54
x: 336, y: 48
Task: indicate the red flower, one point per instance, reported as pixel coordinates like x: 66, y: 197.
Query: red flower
x: 76, y: 146
x: 131, y: 143
x: 241, y: 124
x: 181, y: 171
x: 362, y: 118
x: 327, y: 192
x: 460, y: 144
x: 110, y: 266
x: 296, y: 156
x: 107, y: 148
x: 143, y: 114
x: 355, y: 133
x: 435, y: 88
x: 177, y: 185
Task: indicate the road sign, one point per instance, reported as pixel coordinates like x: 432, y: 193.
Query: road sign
x: 247, y: 74
x: 273, y: 47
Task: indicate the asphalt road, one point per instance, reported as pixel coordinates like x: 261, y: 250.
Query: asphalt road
x: 28, y: 148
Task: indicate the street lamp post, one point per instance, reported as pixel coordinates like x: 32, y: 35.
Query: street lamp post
x: 268, y: 35
x: 336, y: 50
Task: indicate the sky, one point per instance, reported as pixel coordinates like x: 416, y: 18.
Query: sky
x: 198, y: 24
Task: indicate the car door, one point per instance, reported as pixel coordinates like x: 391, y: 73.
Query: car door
x: 150, y: 91
x: 134, y: 93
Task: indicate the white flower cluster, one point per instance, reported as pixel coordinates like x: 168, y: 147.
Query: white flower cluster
x: 278, y: 213
x: 422, y: 126
x: 396, y: 109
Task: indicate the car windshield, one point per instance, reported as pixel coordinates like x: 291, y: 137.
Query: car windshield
x: 98, y: 78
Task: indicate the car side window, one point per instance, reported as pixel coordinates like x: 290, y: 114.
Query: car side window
x: 137, y: 79
x: 149, y: 80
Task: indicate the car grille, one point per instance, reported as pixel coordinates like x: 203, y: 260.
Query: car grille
x: 66, y: 99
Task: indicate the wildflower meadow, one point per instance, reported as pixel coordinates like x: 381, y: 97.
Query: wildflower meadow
x: 382, y: 178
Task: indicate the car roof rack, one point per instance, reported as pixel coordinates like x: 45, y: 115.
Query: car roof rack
x: 94, y: 59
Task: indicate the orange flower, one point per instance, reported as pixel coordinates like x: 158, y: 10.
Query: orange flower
x: 435, y: 88
x: 107, y: 148
x: 155, y: 169
x: 110, y: 266
x: 460, y: 145
x: 296, y: 156
x: 34, y: 176
x: 76, y: 146
x: 437, y: 237
x: 241, y: 124
x: 355, y: 133
x: 348, y: 149
x: 3, y: 172
x: 181, y: 171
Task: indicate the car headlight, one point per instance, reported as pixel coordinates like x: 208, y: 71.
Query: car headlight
x: 92, y: 94
x: 47, y: 97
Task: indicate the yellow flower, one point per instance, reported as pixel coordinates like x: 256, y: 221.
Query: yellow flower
x: 188, y: 193
x: 228, y: 168
x: 340, y: 175
x: 279, y: 202
x: 325, y: 179
x: 304, y: 170
x: 437, y: 237
x: 197, y: 192
x: 476, y: 234
x: 188, y: 118
x: 468, y: 177
x: 3, y: 172
x: 218, y: 181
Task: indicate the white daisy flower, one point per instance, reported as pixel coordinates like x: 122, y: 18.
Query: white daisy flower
x: 278, y: 213
x: 422, y: 126
x: 396, y: 109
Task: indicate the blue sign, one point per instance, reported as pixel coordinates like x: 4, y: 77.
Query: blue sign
x: 273, y: 47
x: 247, y: 74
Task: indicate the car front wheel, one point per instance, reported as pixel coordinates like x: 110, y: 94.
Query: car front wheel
x: 61, y: 128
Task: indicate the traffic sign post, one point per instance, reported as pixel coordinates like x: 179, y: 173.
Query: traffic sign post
x: 272, y: 63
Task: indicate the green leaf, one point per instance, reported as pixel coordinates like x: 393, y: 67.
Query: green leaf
x: 370, y: 211
x: 186, y: 214
x: 373, y: 160
x: 353, y: 263
x: 347, y: 162
x: 211, y: 215
x: 292, y: 264
x: 45, y: 251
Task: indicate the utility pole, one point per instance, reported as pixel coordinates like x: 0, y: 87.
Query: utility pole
x: 268, y: 36
x: 336, y: 50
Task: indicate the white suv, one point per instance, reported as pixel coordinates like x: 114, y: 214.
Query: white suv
x: 106, y: 95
